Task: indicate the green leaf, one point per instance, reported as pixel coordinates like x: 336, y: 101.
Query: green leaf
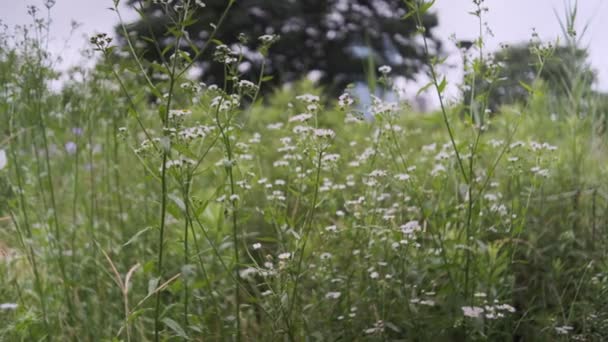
x: 173, y: 325
x: 153, y: 284
x: 442, y: 85
x: 526, y: 86
x: 136, y: 236
x: 424, y: 88
x: 148, y: 39
x: 426, y: 6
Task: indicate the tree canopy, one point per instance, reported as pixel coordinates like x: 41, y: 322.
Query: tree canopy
x: 518, y: 66
x: 338, y: 38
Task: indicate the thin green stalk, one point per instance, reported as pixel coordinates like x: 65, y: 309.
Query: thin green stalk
x: 235, y: 234
x: 186, y: 196
x: 435, y: 82
x: 29, y: 235
x: 305, y: 235
x: 49, y: 178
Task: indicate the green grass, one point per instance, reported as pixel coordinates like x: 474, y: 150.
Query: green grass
x: 215, y: 213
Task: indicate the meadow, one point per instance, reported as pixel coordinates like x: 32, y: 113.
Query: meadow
x: 137, y: 204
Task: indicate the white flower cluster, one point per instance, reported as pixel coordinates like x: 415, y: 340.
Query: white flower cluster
x: 410, y: 228
x: 224, y: 54
x: 379, y: 107
x: 385, y: 69
x: 300, y: 117
x: 179, y: 163
x: 195, y: 132
x: 226, y: 104
x: 179, y: 114
x: 324, y: 133
x: 492, y: 312
x: 308, y: 98
x: 345, y: 101
x: 268, y: 38
x: 247, y: 87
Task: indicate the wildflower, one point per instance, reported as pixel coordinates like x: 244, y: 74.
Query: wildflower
x: 472, y: 311
x: 402, y: 176
x: 385, y: 69
x: 505, y: 307
x: 500, y: 209
x: 224, y: 54
x: 247, y: 87
x: 410, y: 227
x: 333, y: 295
x: 332, y: 229
x: 345, y: 101
x: 179, y: 163
x: 3, y: 160
x: 300, y: 117
x: 275, y: 126
x: 280, y: 163
x: 247, y: 272
x: 563, y: 330
x: 101, y: 41
x: 549, y: 147
x: 284, y: 256
x: 539, y: 171
x: 268, y: 38
x: 324, y: 133
x: 301, y: 129
x: 325, y: 256
x: 378, y: 328
x: 352, y: 118
x: 70, y: 147
x: 256, y: 138
x: 8, y: 306
x: 394, y: 128
x: 496, y: 143
x: 380, y: 107
x: 516, y: 144
x: 374, y: 275
x: 490, y: 197
x: 378, y: 173
x: 308, y: 98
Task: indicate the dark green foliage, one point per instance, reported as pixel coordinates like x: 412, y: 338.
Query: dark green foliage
x: 516, y: 67
x: 334, y: 37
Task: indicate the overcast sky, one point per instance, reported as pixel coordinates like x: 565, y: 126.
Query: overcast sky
x: 511, y: 21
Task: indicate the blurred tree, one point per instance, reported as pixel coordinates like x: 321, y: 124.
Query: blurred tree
x: 337, y: 39
x: 515, y: 67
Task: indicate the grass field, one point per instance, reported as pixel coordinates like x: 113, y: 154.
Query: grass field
x: 136, y: 209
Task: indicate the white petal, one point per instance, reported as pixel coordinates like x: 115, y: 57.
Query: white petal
x: 2, y: 159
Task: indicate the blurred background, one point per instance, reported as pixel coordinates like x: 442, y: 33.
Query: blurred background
x: 512, y: 23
